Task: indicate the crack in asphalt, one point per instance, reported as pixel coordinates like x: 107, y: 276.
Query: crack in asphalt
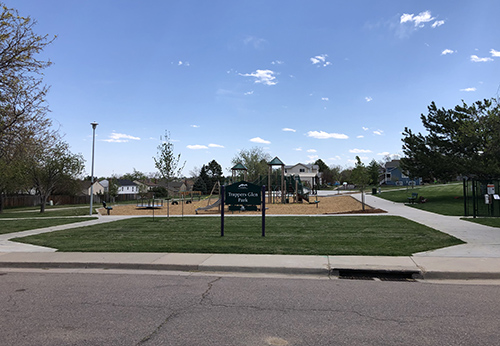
x: 179, y: 311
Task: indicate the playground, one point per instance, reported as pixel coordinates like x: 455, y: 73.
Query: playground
x: 342, y: 204
x: 284, y: 195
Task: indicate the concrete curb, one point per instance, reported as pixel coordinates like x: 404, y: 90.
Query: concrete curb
x: 426, y: 268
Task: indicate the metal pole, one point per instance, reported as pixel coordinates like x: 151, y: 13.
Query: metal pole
x: 263, y: 210
x: 94, y: 125
x: 465, y: 196
x: 222, y: 211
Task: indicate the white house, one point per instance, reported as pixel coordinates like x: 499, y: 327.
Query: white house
x: 308, y: 173
x: 125, y: 186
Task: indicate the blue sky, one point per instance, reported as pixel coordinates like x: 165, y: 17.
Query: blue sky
x: 303, y: 80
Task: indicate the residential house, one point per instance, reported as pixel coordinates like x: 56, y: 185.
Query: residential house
x: 308, y: 173
x: 105, y: 184
x: 126, y: 187
x: 393, y: 175
x: 175, y: 187
x: 85, y: 187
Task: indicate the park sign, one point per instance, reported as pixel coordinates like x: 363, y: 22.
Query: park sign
x: 243, y: 193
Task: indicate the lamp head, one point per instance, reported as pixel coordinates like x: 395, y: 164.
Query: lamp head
x: 94, y: 125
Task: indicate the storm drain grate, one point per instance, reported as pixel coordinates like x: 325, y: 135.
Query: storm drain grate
x: 355, y: 277
x: 382, y: 275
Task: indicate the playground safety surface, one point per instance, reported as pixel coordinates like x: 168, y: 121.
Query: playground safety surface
x: 327, y: 205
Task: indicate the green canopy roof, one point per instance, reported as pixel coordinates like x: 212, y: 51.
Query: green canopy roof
x: 276, y: 162
x: 239, y: 167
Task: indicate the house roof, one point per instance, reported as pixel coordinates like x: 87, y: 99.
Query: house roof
x: 124, y: 182
x: 392, y: 164
x: 85, y: 184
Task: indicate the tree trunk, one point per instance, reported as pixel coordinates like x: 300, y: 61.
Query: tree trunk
x: 363, y: 199
x: 43, y: 203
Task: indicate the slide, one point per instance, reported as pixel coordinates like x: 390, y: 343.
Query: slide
x: 213, y: 205
x: 304, y: 197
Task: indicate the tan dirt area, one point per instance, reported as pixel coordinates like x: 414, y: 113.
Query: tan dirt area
x: 326, y: 205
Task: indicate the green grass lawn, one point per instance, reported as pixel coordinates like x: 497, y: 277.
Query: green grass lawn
x: 11, y: 226
x: 49, y: 212
x: 441, y: 199
x: 349, y: 235
x: 487, y: 221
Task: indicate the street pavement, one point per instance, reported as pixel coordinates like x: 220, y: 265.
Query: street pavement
x: 479, y: 258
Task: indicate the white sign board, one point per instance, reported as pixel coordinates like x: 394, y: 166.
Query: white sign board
x: 491, y: 189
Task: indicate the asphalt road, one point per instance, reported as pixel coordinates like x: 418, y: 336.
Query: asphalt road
x: 126, y: 308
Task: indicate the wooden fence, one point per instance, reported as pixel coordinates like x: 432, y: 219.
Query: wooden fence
x: 33, y: 201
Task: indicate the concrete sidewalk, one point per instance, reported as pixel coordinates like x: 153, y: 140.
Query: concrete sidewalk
x: 320, y: 266
x: 478, y: 259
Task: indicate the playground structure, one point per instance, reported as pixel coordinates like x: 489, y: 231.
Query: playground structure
x: 149, y: 203
x: 283, y: 188
x: 216, y: 190
x: 279, y: 188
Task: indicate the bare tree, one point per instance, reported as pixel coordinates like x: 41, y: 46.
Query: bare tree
x: 166, y: 162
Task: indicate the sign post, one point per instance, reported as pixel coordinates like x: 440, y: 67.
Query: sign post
x: 243, y: 196
x: 263, y: 207
x: 223, y: 194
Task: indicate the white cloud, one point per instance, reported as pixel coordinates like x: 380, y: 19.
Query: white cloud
x: 298, y: 149
x: 365, y: 128
x: 368, y: 99
x: 325, y: 135
x: 256, y: 42
x: 195, y: 126
x: 262, y: 76
x: 324, y: 99
x: 277, y: 62
x: 181, y: 63
x: 437, y: 23
x: 495, y: 53
x: 120, y: 138
x: 248, y: 93
x: 468, y: 89
x: 259, y: 140
x: 447, y: 51
x: 197, y: 147
x: 334, y: 158
x: 359, y: 151
x: 385, y: 153
x: 360, y: 136
x: 475, y: 58
x: 312, y: 158
x: 418, y: 20
x: 287, y: 129
x: 211, y: 145
x: 320, y: 60
x: 312, y: 151
x: 378, y: 132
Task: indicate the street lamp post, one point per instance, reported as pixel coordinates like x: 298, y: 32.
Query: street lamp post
x: 94, y: 125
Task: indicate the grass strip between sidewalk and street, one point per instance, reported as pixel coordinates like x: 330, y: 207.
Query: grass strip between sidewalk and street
x: 339, y: 235
x: 12, y: 226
